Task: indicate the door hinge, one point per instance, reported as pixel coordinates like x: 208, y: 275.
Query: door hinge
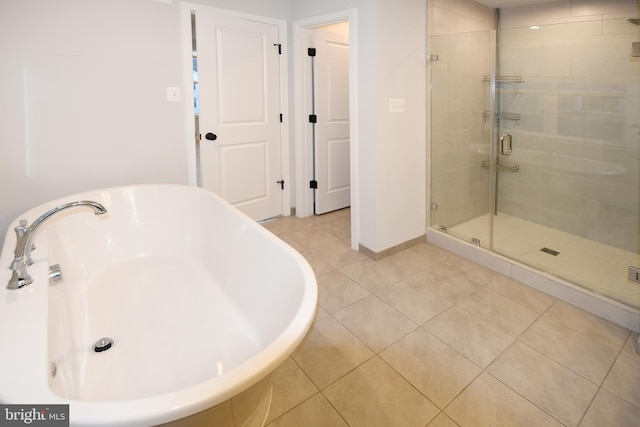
x: 313, y: 184
x: 279, y: 48
x: 311, y: 51
x: 313, y: 118
x: 281, y: 182
x: 281, y: 118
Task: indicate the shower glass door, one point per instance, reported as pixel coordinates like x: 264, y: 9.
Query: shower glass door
x: 460, y: 70
x: 568, y: 96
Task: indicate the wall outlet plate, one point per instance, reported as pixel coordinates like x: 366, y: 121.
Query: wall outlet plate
x: 396, y: 105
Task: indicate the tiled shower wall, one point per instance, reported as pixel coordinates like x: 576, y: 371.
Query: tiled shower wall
x: 461, y: 37
x: 578, y: 140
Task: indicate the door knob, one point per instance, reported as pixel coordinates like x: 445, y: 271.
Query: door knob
x: 211, y: 136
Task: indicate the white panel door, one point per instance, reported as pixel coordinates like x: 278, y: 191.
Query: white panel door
x: 331, y: 73
x: 239, y: 94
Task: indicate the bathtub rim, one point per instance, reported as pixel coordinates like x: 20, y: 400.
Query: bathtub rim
x: 32, y: 387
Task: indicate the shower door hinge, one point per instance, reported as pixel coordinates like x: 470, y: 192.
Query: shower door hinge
x: 442, y: 228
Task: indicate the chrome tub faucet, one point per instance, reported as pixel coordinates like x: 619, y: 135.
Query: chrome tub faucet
x: 24, y: 236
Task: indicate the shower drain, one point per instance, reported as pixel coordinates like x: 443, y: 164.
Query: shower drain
x: 103, y: 344
x: 550, y: 251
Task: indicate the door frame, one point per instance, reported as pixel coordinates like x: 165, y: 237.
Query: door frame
x: 188, y: 98
x: 303, y: 132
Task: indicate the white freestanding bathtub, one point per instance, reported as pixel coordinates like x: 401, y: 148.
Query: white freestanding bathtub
x: 200, y: 302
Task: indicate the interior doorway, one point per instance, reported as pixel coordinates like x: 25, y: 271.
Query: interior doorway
x: 240, y: 101
x: 329, y: 56
x: 344, y: 149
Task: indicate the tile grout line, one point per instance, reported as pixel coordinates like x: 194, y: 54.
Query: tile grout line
x: 482, y: 370
x: 604, y: 379
x: 486, y: 369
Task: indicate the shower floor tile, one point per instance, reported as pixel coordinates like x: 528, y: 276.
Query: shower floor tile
x: 598, y: 267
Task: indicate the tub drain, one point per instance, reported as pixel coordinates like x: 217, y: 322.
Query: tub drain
x: 103, y: 344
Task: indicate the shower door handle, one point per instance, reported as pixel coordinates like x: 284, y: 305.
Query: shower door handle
x: 506, y: 150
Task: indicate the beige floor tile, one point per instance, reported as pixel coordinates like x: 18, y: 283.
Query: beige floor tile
x: 520, y: 293
x: 414, y: 300
x: 375, y: 395
x: 375, y: 323
x: 285, y: 237
x: 446, y: 281
x: 624, y: 380
x: 321, y: 313
x: 579, y: 353
x: 630, y: 349
x: 271, y: 227
x: 409, y: 262
x: 474, y: 271
x: 442, y: 421
x: 338, y: 253
x: 595, y: 327
x: 317, y: 264
x: 291, y: 386
x: 418, y: 286
x: 315, y: 412
x: 435, y: 369
x: 310, y: 237
x: 336, y: 291
x: 489, y: 403
x: 609, y: 410
x: 502, y: 312
x: 343, y: 213
x: 373, y: 275
x: 475, y: 338
x: 331, y: 216
x: 287, y: 224
x: 329, y: 351
x: 551, y: 386
x: 338, y: 227
x: 436, y: 254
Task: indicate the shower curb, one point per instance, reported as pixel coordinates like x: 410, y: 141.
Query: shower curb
x: 600, y: 305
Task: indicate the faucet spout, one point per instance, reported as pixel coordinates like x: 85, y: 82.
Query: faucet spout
x: 24, y: 241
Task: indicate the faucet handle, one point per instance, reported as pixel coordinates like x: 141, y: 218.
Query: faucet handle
x: 22, y: 228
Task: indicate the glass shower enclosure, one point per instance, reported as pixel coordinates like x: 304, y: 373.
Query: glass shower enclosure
x: 535, y: 148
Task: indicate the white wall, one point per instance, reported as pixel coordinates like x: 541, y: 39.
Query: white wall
x: 83, y: 100
x: 278, y: 9
x: 400, y: 138
x: 84, y: 104
x: 392, y: 159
